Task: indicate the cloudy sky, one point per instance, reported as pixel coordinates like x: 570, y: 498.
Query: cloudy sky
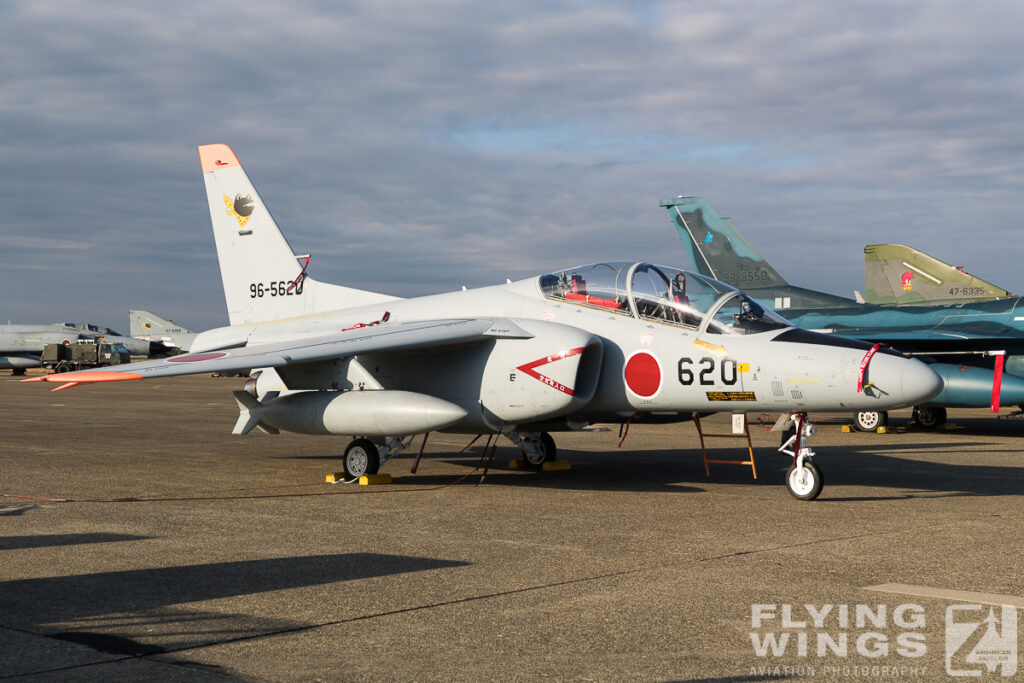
x: 414, y: 147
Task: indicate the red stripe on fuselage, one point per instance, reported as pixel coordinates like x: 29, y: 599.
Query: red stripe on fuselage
x: 530, y: 369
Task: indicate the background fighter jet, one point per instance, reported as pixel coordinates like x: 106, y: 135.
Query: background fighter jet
x: 595, y: 343
x: 151, y: 327
x: 22, y: 345
x: 137, y: 348
x: 969, y: 345
x: 901, y: 275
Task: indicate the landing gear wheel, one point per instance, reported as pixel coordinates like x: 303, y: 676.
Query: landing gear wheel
x: 361, y: 457
x: 870, y: 420
x: 804, y: 483
x: 929, y: 417
x: 550, y: 450
x: 545, y: 450
x: 62, y: 367
x: 17, y: 372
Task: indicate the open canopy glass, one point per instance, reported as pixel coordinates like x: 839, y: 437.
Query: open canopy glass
x: 662, y: 294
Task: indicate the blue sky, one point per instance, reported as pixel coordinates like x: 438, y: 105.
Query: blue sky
x: 414, y: 147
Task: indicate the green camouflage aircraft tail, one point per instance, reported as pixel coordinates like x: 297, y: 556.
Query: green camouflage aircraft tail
x: 716, y: 248
x: 901, y: 275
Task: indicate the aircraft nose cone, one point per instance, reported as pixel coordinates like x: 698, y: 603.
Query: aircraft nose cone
x: 920, y: 383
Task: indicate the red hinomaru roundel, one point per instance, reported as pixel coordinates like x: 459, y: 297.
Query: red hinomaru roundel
x: 642, y: 374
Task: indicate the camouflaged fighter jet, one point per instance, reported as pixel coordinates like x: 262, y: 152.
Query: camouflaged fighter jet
x: 968, y: 344
x: 895, y: 274
x: 594, y: 343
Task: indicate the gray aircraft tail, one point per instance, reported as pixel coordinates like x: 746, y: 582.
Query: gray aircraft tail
x: 901, y: 275
x: 716, y: 248
x: 150, y: 326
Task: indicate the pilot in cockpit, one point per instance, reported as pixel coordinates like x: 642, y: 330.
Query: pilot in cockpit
x: 677, y: 289
x: 751, y: 318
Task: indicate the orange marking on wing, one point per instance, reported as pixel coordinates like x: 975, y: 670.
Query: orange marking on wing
x: 73, y: 379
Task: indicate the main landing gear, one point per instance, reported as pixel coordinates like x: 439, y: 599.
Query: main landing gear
x: 929, y: 417
x: 537, y: 447
x: 870, y: 420
x: 803, y: 478
x: 365, y: 457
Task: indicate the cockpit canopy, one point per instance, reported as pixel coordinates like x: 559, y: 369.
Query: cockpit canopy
x: 661, y: 294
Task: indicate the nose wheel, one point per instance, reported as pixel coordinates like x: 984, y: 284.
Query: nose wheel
x: 803, y: 478
x: 804, y: 482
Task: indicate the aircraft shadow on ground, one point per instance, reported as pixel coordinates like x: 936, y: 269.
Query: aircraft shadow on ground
x: 591, y: 472
x: 57, y: 540
x: 67, y: 598
x: 682, y: 471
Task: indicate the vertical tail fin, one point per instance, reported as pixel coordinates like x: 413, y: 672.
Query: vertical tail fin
x: 716, y: 248
x: 263, y: 279
x: 150, y: 326
x: 898, y: 274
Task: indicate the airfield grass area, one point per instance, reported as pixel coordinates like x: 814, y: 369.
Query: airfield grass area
x: 632, y: 565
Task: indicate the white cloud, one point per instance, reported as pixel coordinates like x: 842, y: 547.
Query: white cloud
x: 428, y: 145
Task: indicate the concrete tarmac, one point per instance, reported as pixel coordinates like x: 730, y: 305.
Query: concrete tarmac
x: 229, y: 557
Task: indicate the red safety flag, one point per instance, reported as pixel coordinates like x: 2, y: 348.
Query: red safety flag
x: 997, y: 381
x: 864, y: 362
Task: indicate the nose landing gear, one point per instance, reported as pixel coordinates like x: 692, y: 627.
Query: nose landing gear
x: 803, y: 478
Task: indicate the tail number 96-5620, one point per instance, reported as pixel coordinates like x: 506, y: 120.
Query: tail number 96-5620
x: 258, y: 290
x: 708, y: 371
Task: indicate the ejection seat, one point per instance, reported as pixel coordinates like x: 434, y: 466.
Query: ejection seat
x: 578, y: 292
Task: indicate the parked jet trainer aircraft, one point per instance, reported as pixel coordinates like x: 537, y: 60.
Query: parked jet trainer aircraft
x: 595, y: 343
x: 968, y: 344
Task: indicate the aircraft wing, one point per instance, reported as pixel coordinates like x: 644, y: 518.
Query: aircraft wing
x: 386, y: 337
x: 969, y: 338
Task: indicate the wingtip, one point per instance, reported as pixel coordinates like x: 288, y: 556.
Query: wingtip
x: 73, y: 379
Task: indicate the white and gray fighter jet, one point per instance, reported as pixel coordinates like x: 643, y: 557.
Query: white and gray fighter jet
x: 594, y: 343
x: 22, y: 345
